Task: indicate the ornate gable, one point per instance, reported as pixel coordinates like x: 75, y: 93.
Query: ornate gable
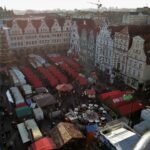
x: 15, y: 29
x: 30, y: 28
x: 67, y: 25
x: 137, y: 49
x: 43, y: 27
x: 55, y: 27
x: 74, y: 39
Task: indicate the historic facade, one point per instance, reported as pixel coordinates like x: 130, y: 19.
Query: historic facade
x: 138, y: 67
x: 104, y: 50
x: 122, y: 52
x: 35, y: 34
x: 121, y: 46
x: 74, y: 39
x: 91, y: 47
x: 122, y: 43
x: 87, y: 32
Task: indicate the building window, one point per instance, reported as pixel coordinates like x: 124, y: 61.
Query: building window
x: 140, y: 66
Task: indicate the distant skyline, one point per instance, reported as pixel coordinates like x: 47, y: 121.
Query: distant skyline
x: 70, y: 4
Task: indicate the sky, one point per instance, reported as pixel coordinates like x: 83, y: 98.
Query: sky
x: 70, y: 4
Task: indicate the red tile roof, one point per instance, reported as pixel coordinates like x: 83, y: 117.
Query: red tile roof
x: 87, y: 24
x: 49, y: 22
x: 36, y: 23
x: 133, y: 30
x: 114, y: 29
x: 61, y: 21
x: 21, y: 23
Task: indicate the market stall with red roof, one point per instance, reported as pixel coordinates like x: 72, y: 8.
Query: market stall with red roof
x: 72, y: 63
x: 69, y: 70
x: 130, y: 108
x: 49, y: 77
x: 119, y: 101
x: 31, y: 77
x: 59, y: 75
x: 45, y: 143
x: 112, y: 94
x: 82, y: 80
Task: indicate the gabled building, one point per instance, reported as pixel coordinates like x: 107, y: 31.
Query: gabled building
x: 36, y: 33
x: 104, y: 49
x: 122, y: 44
x: 104, y: 54
x: 87, y: 30
x: 138, y: 63
x: 74, y: 39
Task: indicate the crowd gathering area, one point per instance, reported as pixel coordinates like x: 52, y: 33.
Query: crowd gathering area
x: 51, y: 103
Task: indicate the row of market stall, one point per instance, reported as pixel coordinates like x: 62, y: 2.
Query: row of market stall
x: 48, y: 76
x: 92, y: 118
x: 70, y: 67
x: 53, y: 71
x: 32, y: 77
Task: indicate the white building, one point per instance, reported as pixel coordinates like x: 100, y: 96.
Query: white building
x: 39, y: 33
x: 74, y: 39
x: 122, y: 44
x: 104, y: 49
x: 138, y: 67
x: 87, y: 30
